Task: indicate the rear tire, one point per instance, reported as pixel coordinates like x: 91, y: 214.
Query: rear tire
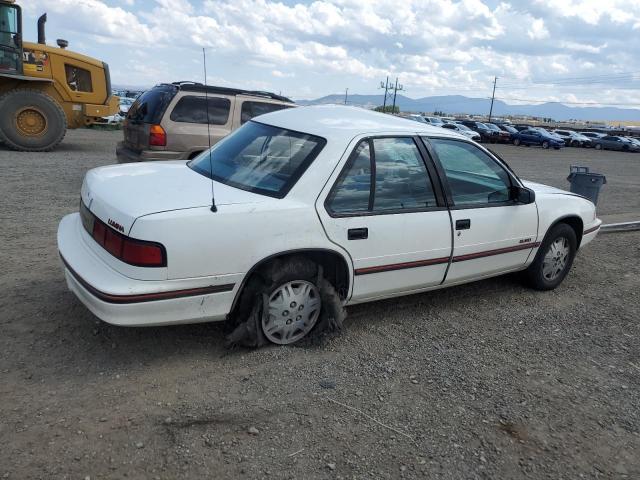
x: 545, y: 144
x: 299, y: 303
x: 554, y: 258
x: 31, y: 121
x: 516, y: 141
x: 598, y: 146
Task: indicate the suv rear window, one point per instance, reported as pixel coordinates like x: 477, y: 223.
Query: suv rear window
x: 253, y: 109
x: 259, y: 158
x: 150, y: 106
x: 192, y: 109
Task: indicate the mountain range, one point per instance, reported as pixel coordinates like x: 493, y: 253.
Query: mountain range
x: 458, y: 104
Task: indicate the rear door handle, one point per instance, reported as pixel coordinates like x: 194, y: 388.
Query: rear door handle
x: 358, y: 233
x: 464, y: 224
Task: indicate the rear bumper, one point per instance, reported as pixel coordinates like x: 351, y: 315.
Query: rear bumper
x: 125, y: 154
x: 120, y: 300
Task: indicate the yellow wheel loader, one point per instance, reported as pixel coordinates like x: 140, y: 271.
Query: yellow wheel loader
x: 44, y: 89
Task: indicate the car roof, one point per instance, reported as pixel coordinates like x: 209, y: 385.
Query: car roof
x: 341, y: 122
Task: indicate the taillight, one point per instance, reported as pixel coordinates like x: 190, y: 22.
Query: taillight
x: 157, y: 136
x: 139, y: 253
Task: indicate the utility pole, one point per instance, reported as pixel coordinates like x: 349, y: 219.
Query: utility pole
x: 493, y: 96
x: 395, y: 91
x: 346, y: 93
x: 386, y: 87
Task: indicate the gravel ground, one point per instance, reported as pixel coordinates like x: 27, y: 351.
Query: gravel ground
x: 488, y: 380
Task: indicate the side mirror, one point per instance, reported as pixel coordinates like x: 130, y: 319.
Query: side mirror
x: 523, y: 195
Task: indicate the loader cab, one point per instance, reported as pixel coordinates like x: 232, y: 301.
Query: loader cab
x: 10, y: 39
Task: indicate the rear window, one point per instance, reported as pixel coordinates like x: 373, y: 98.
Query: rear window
x: 253, y: 109
x: 150, y: 106
x: 192, y: 109
x: 259, y: 158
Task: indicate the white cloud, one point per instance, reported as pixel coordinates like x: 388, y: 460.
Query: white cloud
x: 433, y: 46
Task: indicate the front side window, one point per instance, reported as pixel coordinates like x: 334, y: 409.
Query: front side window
x: 78, y: 79
x: 383, y: 175
x: 259, y: 158
x: 193, y: 109
x: 253, y: 109
x: 474, y: 177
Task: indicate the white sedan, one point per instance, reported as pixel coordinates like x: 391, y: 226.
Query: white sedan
x: 306, y: 205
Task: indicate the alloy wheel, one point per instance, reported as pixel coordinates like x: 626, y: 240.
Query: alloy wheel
x: 293, y: 310
x: 555, y: 260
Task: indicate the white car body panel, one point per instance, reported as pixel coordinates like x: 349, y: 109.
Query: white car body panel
x: 210, y: 255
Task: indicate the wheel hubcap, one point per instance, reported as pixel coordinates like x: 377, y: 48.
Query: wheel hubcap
x: 555, y: 260
x: 31, y: 122
x: 294, y: 309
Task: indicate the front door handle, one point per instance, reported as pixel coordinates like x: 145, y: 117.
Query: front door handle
x: 463, y: 224
x: 358, y: 233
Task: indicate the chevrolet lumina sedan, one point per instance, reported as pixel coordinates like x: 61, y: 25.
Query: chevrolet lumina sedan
x: 305, y: 204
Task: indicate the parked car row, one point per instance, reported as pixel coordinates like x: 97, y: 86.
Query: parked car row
x: 528, y: 135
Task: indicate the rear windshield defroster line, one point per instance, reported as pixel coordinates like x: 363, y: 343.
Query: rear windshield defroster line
x: 260, y: 158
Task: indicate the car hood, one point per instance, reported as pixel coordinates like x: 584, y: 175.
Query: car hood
x: 118, y: 194
x: 541, y: 189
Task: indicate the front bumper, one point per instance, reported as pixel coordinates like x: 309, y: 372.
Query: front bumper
x: 590, y: 232
x: 120, y: 300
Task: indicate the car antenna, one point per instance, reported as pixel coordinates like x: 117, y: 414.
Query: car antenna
x: 206, y: 100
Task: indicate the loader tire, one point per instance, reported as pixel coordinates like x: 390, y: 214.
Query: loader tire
x: 31, y: 121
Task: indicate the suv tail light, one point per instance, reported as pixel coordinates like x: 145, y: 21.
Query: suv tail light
x: 157, y: 136
x: 140, y: 253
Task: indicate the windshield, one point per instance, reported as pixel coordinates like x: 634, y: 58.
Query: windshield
x: 491, y: 126
x: 510, y: 129
x: 463, y: 127
x: 260, y: 158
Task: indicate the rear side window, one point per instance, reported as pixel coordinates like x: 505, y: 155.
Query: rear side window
x: 253, y: 109
x: 389, y: 178
x: 353, y: 193
x: 192, y: 109
x: 151, y: 105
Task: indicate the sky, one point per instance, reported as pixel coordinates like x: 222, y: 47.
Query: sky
x: 582, y: 52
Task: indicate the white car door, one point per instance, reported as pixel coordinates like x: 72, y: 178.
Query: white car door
x: 492, y: 232
x: 386, y: 208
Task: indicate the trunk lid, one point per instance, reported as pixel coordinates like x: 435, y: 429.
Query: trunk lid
x: 119, y: 194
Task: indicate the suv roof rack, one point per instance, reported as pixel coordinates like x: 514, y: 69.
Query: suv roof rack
x: 190, y: 86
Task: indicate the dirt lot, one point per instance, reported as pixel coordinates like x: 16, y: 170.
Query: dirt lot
x: 488, y: 380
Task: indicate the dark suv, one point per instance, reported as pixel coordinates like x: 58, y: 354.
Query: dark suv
x: 169, y: 121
